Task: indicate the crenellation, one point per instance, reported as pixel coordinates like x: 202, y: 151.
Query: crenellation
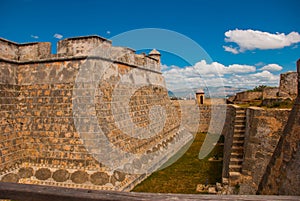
x: 34, y: 51
x: 71, y: 49
x: 8, y: 49
x: 288, y: 85
x: 80, y: 46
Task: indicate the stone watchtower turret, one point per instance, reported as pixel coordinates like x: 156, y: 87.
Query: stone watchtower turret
x: 200, y: 96
x: 155, y: 55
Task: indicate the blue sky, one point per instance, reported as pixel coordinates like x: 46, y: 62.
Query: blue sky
x: 249, y: 25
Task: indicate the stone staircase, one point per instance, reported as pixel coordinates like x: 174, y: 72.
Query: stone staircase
x: 237, y: 149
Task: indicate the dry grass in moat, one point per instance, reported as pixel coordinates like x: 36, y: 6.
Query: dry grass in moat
x: 188, y: 171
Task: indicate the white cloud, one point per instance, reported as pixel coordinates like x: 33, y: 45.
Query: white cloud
x: 219, y: 69
x: 58, y: 36
x: 272, y: 67
x: 237, y: 68
x: 107, y: 32
x: 231, y: 49
x: 34, y: 36
x: 203, y: 74
x: 265, y: 76
x: 165, y: 67
x: 260, y: 64
x: 252, y: 39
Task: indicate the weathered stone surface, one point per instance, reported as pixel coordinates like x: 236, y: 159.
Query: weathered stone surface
x: 118, y: 176
x: 10, y: 177
x: 99, y: 178
x: 288, y: 85
x: 79, y: 177
x: 43, y: 173
x: 212, y: 190
x: 248, y: 96
x: 270, y: 92
x: 264, y: 128
x: 25, y: 172
x: 61, y: 175
x: 282, y: 173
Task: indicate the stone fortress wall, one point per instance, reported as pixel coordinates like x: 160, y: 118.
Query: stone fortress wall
x: 287, y: 91
x: 39, y: 143
x: 269, y: 147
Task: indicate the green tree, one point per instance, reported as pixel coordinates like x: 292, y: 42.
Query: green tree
x: 259, y: 88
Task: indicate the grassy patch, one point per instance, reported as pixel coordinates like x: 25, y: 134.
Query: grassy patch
x: 188, y: 171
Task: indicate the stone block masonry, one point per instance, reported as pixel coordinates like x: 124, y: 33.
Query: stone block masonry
x: 264, y: 127
x: 282, y: 175
x: 39, y: 141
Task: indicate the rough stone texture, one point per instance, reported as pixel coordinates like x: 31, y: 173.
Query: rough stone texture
x: 270, y: 92
x: 8, y: 49
x: 25, y: 172
x: 11, y: 142
x: 271, y: 102
x: 118, y: 176
x: 228, y: 134
x: 248, y: 96
x: 263, y: 130
x: 11, y: 177
x: 282, y: 173
x: 288, y: 85
x: 198, y: 118
x: 43, y: 174
x: 79, y: 177
x: 61, y: 175
x: 79, y: 45
x: 99, y: 178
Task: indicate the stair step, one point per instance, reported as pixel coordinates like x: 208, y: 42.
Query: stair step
x: 235, y: 147
x: 238, y: 142
x: 240, y: 112
x: 235, y: 168
x: 240, y: 121
x: 232, y: 174
x: 239, y: 126
x: 240, y: 118
x: 236, y: 155
x: 238, y: 137
x: 239, y: 130
x: 236, y: 161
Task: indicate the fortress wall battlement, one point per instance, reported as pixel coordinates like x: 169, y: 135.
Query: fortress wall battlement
x: 71, y: 49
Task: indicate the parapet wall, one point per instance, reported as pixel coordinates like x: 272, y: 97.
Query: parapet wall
x: 24, y: 52
x: 42, y: 50
x: 288, y: 85
x: 80, y: 45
